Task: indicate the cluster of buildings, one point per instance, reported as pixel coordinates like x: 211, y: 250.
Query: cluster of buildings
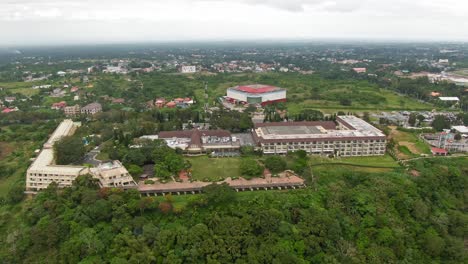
x: 349, y: 136
x: 177, y: 102
x: 43, y: 171
x: 75, y: 110
x: 8, y: 106
x: 446, y: 141
x: 202, y: 141
x: 255, y: 94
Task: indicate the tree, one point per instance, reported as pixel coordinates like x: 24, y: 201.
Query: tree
x: 440, y: 123
x: 135, y: 156
x: 69, y: 150
x: 135, y: 170
x: 420, y: 118
x: 275, y: 164
x: 15, y: 194
x: 457, y: 136
x: 250, y: 167
x: 345, y: 101
x: 219, y: 194
x: 412, y: 119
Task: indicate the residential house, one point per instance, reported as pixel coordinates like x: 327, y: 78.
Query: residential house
x: 59, y: 105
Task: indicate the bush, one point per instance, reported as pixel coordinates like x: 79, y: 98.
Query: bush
x: 275, y: 164
x: 250, y: 167
x: 149, y: 182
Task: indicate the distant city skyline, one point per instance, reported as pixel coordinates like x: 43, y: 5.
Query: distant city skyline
x: 33, y: 22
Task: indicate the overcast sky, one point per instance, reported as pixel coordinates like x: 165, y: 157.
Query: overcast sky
x: 27, y: 22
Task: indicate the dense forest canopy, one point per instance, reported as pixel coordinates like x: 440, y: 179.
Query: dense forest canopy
x: 346, y: 217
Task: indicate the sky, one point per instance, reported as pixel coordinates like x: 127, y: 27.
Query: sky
x: 30, y: 22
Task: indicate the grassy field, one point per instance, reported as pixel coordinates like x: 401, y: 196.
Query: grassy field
x: 214, y: 169
x: 24, y: 88
x: 462, y: 72
x: 372, y: 161
x: 393, y: 102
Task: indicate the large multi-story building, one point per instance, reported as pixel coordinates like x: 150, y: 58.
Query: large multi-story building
x: 43, y: 171
x: 349, y: 136
x: 256, y: 94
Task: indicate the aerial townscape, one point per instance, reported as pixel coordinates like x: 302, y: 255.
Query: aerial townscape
x: 272, y: 149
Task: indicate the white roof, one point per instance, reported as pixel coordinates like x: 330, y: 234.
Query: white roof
x: 64, y: 129
x: 449, y: 98
x: 461, y: 129
x: 44, y: 164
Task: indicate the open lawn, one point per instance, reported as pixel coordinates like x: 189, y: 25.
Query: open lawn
x: 214, y: 169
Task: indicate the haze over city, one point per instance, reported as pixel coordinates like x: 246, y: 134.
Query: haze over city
x: 28, y: 22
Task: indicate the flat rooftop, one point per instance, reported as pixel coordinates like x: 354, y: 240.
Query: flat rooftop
x: 293, y: 130
x: 352, y: 128
x: 257, y: 88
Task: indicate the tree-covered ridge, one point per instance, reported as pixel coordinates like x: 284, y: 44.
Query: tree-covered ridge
x: 346, y: 217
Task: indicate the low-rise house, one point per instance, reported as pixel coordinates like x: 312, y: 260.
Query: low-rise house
x: 171, y: 104
x: 160, y: 102
x: 118, y: 101
x: 439, y: 151
x: 9, y: 110
x: 59, y: 105
x: 91, y: 109
x: 57, y: 92
x: 10, y: 99
x: 360, y: 70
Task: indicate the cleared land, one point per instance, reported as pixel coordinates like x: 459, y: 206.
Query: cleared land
x: 409, y: 144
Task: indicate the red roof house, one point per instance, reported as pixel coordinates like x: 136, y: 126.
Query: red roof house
x: 439, y: 151
x: 59, y: 105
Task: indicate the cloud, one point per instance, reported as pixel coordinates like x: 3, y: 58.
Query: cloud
x: 153, y: 20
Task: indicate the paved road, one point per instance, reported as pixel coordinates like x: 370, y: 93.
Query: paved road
x: 90, y: 157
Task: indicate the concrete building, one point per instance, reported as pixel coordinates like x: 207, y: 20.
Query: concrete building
x: 461, y: 129
x: 113, y: 174
x: 43, y: 171
x: 349, y: 136
x: 72, y: 110
x: 91, y: 109
x: 359, y: 70
x: 188, y: 69
x: 256, y: 94
x: 201, y: 141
